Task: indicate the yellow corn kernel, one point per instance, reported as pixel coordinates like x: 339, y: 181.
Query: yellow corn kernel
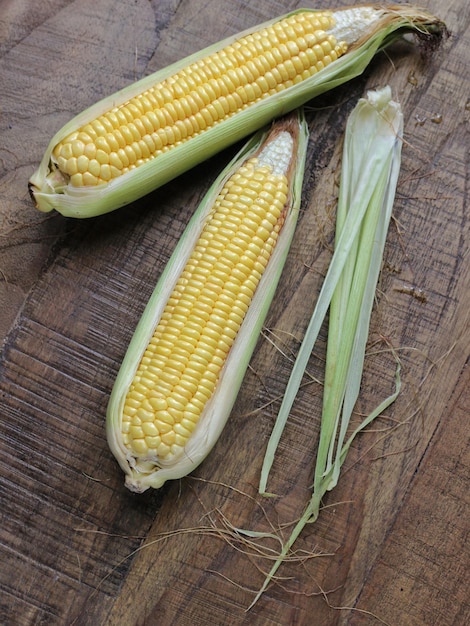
x: 222, y: 84
x: 169, y: 121
x: 186, y: 361
x: 207, y: 296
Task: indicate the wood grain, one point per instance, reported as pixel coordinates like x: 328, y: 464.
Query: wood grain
x: 391, y: 544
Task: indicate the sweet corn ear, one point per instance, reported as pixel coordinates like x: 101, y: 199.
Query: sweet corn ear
x: 138, y: 139
x: 185, y: 363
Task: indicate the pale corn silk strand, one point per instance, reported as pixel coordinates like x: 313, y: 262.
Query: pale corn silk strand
x: 207, y: 92
x: 180, y: 368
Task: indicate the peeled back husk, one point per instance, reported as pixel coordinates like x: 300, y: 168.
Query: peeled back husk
x: 142, y: 474
x: 50, y: 189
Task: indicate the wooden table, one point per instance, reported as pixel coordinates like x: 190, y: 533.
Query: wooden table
x: 392, y: 543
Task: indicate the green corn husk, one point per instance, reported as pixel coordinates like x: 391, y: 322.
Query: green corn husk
x: 50, y: 188
x: 371, y: 162
x: 143, y: 474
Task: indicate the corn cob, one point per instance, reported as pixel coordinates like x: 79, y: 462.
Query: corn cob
x: 139, y: 138
x: 186, y: 360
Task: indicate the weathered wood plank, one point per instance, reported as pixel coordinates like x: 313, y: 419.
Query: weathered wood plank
x: 66, y: 58
x: 75, y: 547
x: 431, y: 532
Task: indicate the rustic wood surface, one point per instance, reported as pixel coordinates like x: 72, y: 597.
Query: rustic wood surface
x: 391, y: 545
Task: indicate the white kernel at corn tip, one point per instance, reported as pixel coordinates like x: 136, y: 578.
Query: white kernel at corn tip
x: 277, y: 154
x: 351, y: 24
